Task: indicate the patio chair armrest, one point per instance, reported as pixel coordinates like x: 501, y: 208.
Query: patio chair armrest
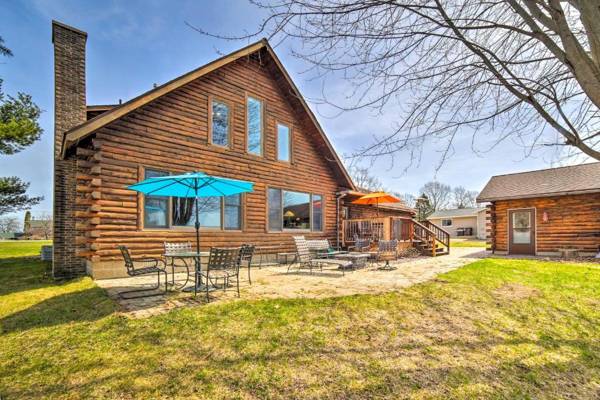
x: 158, y: 262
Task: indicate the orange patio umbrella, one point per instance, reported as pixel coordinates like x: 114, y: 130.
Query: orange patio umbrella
x: 376, y: 198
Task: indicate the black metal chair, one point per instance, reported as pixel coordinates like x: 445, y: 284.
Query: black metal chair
x: 246, y: 254
x: 149, y: 265
x: 222, y: 264
x: 387, y: 250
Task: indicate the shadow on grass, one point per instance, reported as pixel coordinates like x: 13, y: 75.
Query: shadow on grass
x: 85, y: 305
x: 24, y: 273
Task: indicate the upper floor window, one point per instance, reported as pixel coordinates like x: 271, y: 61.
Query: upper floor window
x: 220, y: 123
x: 446, y: 222
x: 283, y: 143
x: 254, y: 123
x: 294, y: 210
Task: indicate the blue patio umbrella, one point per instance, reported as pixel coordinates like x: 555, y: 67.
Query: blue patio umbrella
x: 192, y: 185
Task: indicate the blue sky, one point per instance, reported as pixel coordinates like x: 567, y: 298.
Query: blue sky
x: 134, y: 44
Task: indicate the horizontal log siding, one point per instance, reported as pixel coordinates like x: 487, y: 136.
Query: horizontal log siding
x: 171, y: 134
x: 573, y: 221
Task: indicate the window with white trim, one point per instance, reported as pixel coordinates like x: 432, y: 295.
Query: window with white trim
x: 446, y: 222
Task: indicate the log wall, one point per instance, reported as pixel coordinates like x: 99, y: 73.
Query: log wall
x: 171, y: 133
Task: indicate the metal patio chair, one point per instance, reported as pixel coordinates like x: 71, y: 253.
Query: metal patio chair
x: 387, y: 250
x: 143, y: 266
x: 171, y: 258
x: 245, y: 257
x: 223, y: 264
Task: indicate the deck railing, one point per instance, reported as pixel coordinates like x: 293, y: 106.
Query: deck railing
x: 379, y: 228
x: 424, y: 235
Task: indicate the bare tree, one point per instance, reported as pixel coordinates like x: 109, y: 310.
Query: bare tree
x: 408, y: 199
x: 364, y: 180
x: 463, y: 198
x: 525, y: 70
x: 9, y: 224
x: 45, y: 225
x: 438, y: 194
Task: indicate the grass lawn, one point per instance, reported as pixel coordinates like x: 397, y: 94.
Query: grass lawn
x: 497, y: 329
x: 21, y: 248
x: 467, y: 243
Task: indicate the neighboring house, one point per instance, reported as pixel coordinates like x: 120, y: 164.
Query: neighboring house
x: 239, y: 116
x: 39, y: 229
x: 542, y: 212
x: 461, y: 222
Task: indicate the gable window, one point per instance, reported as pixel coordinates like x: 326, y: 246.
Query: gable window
x: 446, y: 222
x: 290, y: 210
x: 219, y: 123
x: 254, y: 125
x: 156, y: 214
x: 283, y: 143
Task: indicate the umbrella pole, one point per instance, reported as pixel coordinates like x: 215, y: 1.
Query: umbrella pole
x: 197, y: 226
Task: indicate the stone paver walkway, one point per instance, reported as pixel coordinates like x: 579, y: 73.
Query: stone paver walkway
x: 275, y: 282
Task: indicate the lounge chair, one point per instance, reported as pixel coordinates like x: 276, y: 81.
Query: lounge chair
x: 305, y: 260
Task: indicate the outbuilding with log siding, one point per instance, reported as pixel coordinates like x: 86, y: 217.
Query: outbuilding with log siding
x: 544, y: 212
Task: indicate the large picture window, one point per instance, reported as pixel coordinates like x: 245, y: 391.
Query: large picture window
x: 214, y: 212
x: 289, y: 210
x: 219, y: 123
x: 254, y: 122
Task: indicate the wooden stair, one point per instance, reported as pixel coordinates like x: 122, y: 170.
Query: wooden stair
x: 430, y: 239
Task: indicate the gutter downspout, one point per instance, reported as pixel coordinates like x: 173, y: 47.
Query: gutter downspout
x: 339, y: 196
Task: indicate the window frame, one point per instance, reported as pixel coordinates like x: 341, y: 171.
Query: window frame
x: 284, y: 230
x: 446, y: 219
x: 142, y: 197
x: 229, y: 104
x: 170, y: 227
x: 290, y: 141
x: 263, y: 124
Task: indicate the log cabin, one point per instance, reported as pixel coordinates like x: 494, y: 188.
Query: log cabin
x: 544, y: 212
x: 240, y: 117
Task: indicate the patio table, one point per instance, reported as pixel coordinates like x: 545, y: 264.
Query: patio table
x: 196, y: 256
x: 358, y: 260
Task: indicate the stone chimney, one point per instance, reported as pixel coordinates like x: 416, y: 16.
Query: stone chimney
x: 69, y: 111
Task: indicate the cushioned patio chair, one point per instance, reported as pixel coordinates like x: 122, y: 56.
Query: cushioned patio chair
x: 143, y: 266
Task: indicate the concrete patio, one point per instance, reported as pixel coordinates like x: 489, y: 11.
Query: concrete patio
x: 276, y: 282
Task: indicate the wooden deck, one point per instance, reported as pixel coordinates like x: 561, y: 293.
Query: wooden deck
x: 427, y: 237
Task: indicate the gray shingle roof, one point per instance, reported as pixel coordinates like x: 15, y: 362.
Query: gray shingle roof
x: 457, y: 212
x: 577, y: 179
